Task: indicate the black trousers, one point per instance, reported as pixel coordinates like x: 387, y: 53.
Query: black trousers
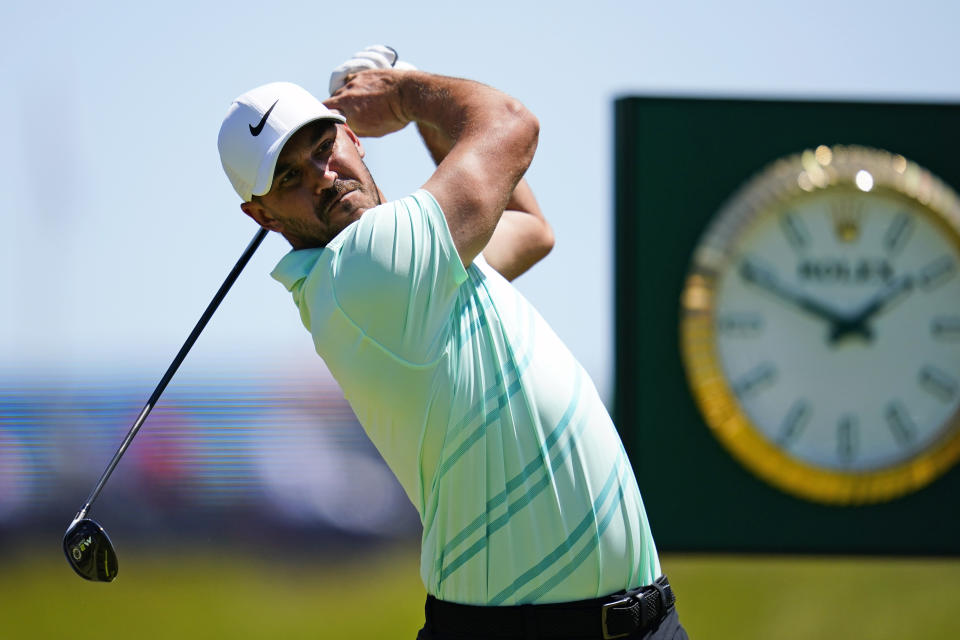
x: 669, y: 628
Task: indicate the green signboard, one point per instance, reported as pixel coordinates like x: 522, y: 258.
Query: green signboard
x: 788, y: 322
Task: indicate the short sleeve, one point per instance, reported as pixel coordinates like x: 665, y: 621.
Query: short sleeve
x: 396, y: 275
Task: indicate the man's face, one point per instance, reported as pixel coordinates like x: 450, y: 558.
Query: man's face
x: 320, y: 186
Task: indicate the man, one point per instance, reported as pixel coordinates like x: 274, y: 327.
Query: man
x: 533, y: 526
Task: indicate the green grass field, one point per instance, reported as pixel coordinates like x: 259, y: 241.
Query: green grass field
x: 211, y: 593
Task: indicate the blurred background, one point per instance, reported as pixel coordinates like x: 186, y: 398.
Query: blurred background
x: 252, y: 504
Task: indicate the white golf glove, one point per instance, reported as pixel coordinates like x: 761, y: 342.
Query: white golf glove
x: 378, y: 56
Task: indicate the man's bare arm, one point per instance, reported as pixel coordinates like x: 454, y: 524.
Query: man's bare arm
x: 522, y: 237
x: 492, y: 139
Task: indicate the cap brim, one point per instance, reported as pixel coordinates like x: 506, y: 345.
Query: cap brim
x: 269, y: 163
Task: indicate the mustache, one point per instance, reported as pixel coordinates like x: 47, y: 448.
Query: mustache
x: 327, y: 196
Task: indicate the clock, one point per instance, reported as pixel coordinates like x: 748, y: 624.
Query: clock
x: 820, y: 325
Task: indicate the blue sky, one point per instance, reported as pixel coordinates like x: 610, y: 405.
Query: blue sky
x: 119, y: 224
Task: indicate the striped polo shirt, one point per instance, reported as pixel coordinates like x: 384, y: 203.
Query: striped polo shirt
x: 492, y: 427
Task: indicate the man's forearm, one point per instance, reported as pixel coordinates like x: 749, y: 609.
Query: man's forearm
x: 438, y: 144
x: 523, y: 236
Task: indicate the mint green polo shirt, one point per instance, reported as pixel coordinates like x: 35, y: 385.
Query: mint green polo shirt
x: 492, y: 427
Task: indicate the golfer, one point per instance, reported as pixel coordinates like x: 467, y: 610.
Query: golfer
x: 533, y: 525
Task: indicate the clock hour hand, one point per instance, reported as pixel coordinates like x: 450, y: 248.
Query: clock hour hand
x: 765, y: 278
x: 857, y: 322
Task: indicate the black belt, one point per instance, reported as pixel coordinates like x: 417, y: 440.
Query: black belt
x: 620, y: 615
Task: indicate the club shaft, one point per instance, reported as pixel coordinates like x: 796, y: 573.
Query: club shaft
x: 172, y: 369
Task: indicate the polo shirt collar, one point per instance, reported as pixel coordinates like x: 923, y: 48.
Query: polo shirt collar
x: 295, y: 266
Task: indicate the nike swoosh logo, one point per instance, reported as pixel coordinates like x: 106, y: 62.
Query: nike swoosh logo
x: 255, y: 130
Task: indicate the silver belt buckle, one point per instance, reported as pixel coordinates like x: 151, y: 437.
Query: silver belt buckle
x: 603, y: 618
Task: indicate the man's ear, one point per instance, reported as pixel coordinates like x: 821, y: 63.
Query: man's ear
x: 354, y: 139
x: 262, y: 217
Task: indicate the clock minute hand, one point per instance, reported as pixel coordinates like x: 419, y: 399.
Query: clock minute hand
x: 880, y: 300
x: 856, y: 322
x: 767, y: 279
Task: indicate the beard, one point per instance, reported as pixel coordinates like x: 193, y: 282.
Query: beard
x: 323, y: 228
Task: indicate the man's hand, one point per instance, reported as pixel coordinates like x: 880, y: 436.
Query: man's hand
x: 371, y: 102
x: 377, y: 56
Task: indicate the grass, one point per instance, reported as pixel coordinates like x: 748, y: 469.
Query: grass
x: 212, y: 594
x: 794, y: 598
x: 237, y: 594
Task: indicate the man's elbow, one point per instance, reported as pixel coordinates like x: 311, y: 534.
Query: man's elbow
x: 530, y: 124
x: 532, y: 130
x: 537, y: 245
x: 545, y: 241
x: 535, y: 249
x: 525, y: 131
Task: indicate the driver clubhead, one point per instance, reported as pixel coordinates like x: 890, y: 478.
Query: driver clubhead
x: 89, y: 551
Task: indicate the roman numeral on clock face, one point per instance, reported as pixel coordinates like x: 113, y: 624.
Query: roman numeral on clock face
x: 945, y: 328
x: 937, y: 272
x: 898, y: 232
x: 937, y: 382
x: 848, y: 436
x: 794, y: 230
x: 760, y: 376
x: 899, y: 422
x: 741, y: 325
x: 794, y: 422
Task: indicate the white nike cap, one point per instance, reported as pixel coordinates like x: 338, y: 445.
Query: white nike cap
x: 256, y: 127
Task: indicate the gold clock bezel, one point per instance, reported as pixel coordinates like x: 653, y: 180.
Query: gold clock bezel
x: 785, y: 179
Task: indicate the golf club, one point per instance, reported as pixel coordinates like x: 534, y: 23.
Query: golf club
x: 86, y: 544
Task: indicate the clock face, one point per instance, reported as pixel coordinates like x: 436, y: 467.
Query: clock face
x: 822, y: 325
